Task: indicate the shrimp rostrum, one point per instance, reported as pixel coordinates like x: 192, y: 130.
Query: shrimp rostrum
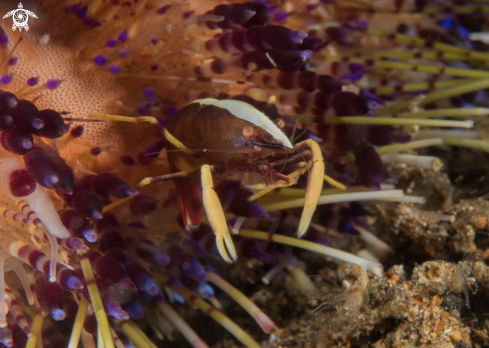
x: 211, y: 137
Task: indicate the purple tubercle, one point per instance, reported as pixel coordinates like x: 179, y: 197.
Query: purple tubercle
x: 280, y: 16
x: 154, y: 40
x: 172, y: 110
x: 95, y: 151
x: 74, y: 8
x: 135, y: 310
x: 178, y: 298
x: 57, y: 314
x: 187, y: 14
x: 128, y: 160
x: 116, y: 311
x: 115, y: 69
x: 137, y: 225
x: 148, y: 92
x: 153, y: 100
x: 3, y: 38
x: 90, y: 22
x: 205, y: 290
x: 100, y: 60
x: 143, y: 108
x: 82, y: 12
x: 191, y: 268
x: 32, y: 81
x: 90, y: 236
x: 164, y: 9
x: 124, y: 53
x: 122, y: 36
x: 5, y: 79
x: 311, y: 7
x: 297, y: 36
x: 74, y: 283
x: 52, y: 83
x: 143, y: 205
x: 162, y: 258
x: 111, y: 42
x: 12, y: 61
x: 163, y: 121
x: 77, y: 131
x: 150, y: 153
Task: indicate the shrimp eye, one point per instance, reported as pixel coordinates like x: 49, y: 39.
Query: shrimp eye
x: 247, y: 131
x: 280, y: 123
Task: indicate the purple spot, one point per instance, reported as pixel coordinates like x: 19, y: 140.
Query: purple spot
x: 205, y: 290
x: 124, y: 53
x: 57, y: 314
x: 353, y: 77
x: 280, y: 16
x: 164, y: 9
x: 115, y: 310
x: 90, y: 236
x: 142, y: 205
x: 32, y: 81
x: 306, y: 54
x: 135, y: 310
x: 122, y: 36
x: 5, y: 79
x: 163, y: 122
x: 178, y: 298
x: 154, y: 67
x: 82, y: 12
x: 37, y: 123
x: 187, y: 14
x: 162, y: 258
x: 75, y: 8
x: 114, y: 69
x: 95, y: 151
x: 310, y: 7
x: 52, y: 83
x: 148, y: 92
x: 154, y: 41
x: 111, y: 43
x: 90, y: 22
x: 74, y: 283
x: 191, y: 268
x: 3, y: 37
x: 77, y: 131
x: 172, y: 110
x: 153, y: 100
x: 143, y: 108
x: 137, y: 225
x: 128, y: 160
x: 12, y: 61
x: 100, y: 60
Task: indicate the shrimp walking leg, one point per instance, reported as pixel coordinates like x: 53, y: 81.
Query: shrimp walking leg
x: 167, y: 177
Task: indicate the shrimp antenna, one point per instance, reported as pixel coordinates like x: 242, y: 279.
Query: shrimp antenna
x: 293, y: 131
x: 202, y: 150
x: 360, y: 3
x: 77, y: 119
x: 285, y: 162
x: 302, y: 133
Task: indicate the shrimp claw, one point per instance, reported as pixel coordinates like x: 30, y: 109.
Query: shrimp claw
x: 314, y: 185
x: 215, y: 215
